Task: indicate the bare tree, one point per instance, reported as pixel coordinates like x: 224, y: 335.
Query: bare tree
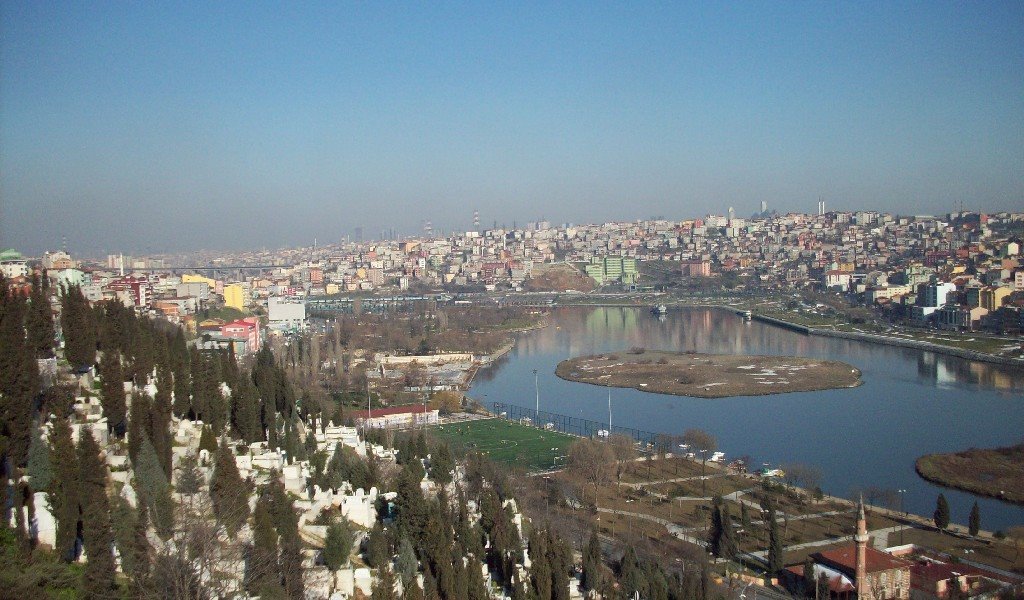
x: 624, y: 451
x: 591, y: 461
x: 704, y: 443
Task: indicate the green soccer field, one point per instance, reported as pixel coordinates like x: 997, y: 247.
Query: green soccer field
x: 507, y: 442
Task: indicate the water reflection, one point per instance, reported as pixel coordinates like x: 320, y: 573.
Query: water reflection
x: 911, y: 403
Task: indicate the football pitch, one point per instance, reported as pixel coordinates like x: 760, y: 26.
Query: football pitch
x: 507, y: 442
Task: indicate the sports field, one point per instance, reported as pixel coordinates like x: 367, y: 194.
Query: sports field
x: 507, y: 442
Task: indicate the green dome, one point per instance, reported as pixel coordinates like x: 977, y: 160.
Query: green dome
x: 10, y: 254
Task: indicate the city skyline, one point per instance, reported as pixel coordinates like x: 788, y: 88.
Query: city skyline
x: 150, y: 129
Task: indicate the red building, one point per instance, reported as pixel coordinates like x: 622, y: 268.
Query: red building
x: 247, y: 330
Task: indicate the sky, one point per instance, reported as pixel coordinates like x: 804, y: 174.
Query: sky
x: 155, y: 127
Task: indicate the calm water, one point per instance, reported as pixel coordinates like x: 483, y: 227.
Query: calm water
x: 911, y: 403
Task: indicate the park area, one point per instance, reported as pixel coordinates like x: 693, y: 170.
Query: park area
x: 508, y: 443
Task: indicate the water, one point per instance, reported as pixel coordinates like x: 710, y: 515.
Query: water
x: 911, y: 403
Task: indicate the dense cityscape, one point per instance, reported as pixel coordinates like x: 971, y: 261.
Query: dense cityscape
x: 512, y: 301
x: 237, y: 407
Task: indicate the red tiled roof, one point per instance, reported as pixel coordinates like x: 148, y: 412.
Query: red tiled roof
x: 846, y: 558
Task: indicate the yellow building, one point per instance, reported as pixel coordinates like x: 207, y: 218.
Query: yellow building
x: 191, y: 278
x: 993, y: 297
x: 234, y: 296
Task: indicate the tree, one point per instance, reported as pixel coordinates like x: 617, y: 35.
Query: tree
x: 78, y: 327
x: 245, y: 411
x: 112, y: 392
x: 407, y: 563
x: 154, y: 489
x: 590, y: 461
x: 19, y: 377
x: 64, y: 493
x: 941, y: 514
x: 775, y: 550
x: 384, y: 587
x: 377, y: 547
x: 40, y: 468
x: 704, y: 443
x: 624, y: 451
x: 97, y: 532
x: 190, y: 478
x: 229, y: 494
x: 262, y: 566
x: 39, y: 320
x: 337, y: 544
x: 974, y: 521
x: 442, y: 464
x: 722, y: 540
x: 592, y: 563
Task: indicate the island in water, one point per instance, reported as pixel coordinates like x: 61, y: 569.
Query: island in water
x: 708, y: 375
x: 992, y: 472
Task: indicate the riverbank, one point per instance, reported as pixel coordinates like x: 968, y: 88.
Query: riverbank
x: 708, y: 375
x: 890, y: 341
x: 992, y: 472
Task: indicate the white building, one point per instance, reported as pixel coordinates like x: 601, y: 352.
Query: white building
x: 286, y: 315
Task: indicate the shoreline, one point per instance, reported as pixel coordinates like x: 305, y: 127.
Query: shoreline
x: 709, y: 376
x: 892, y: 341
x: 942, y: 468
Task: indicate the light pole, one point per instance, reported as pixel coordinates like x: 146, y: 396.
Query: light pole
x: 904, y: 525
x: 609, y: 410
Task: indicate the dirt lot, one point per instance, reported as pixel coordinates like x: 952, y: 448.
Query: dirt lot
x: 709, y: 375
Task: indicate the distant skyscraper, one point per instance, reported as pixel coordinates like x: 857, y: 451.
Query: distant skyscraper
x: 764, y: 206
x: 359, y: 234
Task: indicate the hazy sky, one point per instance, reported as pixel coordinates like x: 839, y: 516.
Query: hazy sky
x: 154, y: 127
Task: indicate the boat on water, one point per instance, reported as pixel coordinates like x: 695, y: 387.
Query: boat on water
x: 659, y: 309
x: 747, y: 315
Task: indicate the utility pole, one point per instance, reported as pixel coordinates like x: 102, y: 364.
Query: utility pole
x: 609, y: 410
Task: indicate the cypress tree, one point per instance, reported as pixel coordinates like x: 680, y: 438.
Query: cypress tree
x: 207, y: 441
x: 39, y: 320
x: 230, y: 495
x: 631, y: 576
x: 154, y: 489
x: 407, y: 563
x: 245, y: 411
x: 64, y: 493
x: 180, y: 368
x: 384, y: 587
x: 160, y: 426
x: 810, y: 581
x: 19, y: 378
x: 974, y: 521
x: 727, y: 543
x: 337, y: 545
x: 97, y: 532
x: 112, y: 392
x: 190, y: 478
x: 592, y: 562
x: 78, y: 328
x: 941, y: 515
x: 377, y: 554
x: 140, y: 549
x: 475, y: 578
x: 774, y: 543
x: 442, y: 464
x: 262, y: 566
x: 540, y: 568
x: 40, y: 469
x: 138, y: 424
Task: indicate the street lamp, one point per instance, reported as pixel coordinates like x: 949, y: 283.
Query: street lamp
x: 904, y: 525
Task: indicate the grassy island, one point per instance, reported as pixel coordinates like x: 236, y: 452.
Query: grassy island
x: 708, y: 375
x: 992, y: 472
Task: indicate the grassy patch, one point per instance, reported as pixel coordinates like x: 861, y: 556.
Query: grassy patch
x: 507, y: 442
x: 992, y: 472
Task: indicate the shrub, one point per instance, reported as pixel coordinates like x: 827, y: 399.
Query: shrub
x: 637, y: 350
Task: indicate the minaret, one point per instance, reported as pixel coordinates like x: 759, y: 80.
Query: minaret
x: 861, y: 538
